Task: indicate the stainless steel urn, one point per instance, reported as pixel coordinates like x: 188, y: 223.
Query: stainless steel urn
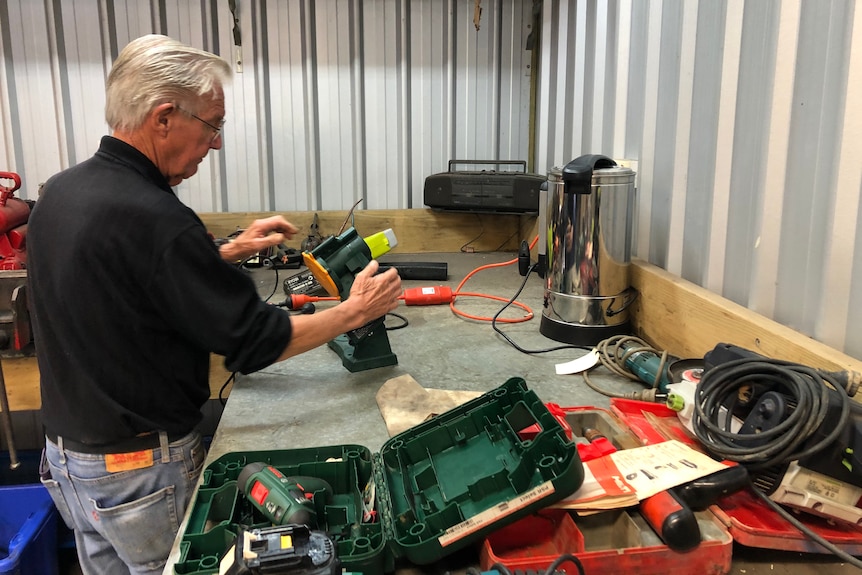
x: 588, y: 230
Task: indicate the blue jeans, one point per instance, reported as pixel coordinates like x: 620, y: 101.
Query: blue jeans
x: 125, y: 521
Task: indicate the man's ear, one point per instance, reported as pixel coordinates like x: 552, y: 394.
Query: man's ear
x: 162, y: 117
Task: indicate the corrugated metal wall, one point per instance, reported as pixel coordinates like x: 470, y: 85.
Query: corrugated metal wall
x: 743, y: 117
x: 334, y: 101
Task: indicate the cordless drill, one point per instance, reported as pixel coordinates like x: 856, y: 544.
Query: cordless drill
x: 283, y: 500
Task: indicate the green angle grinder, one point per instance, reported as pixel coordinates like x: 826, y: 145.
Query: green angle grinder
x: 334, y: 264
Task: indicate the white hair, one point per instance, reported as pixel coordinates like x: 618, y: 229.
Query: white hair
x: 155, y: 69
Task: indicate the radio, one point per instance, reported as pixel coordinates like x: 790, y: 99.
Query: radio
x: 484, y: 190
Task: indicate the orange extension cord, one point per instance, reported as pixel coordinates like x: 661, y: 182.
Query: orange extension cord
x: 458, y: 293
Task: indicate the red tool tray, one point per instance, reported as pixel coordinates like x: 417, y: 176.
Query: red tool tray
x: 621, y: 541
x: 617, y: 541
x: 748, y: 520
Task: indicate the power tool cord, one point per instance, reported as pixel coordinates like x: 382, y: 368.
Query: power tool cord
x: 808, y: 387
x: 613, y: 354
x: 719, y: 390
x: 550, y: 570
x: 495, y: 320
x: 222, y: 399
x: 458, y: 293
x: 404, y: 323
x: 834, y: 549
x: 350, y: 217
x: 607, y: 357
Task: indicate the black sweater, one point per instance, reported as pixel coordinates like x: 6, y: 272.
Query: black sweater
x: 129, y: 297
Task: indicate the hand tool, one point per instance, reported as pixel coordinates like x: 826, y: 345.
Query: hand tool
x: 598, y: 445
x: 671, y: 512
x: 295, y: 302
x: 281, y: 550
x: 670, y: 517
x: 705, y: 491
x: 649, y: 366
x: 280, y: 498
x: 314, y: 237
x: 633, y: 358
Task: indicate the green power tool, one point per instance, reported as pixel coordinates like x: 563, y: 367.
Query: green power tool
x: 282, y: 499
x: 649, y: 367
x: 334, y: 264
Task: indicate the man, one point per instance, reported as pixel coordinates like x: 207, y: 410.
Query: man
x: 130, y: 296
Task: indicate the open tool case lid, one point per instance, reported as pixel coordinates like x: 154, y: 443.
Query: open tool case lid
x: 438, y: 487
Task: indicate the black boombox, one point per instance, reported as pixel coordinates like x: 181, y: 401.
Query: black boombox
x: 484, y: 190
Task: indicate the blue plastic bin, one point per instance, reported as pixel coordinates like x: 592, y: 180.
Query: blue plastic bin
x: 28, y: 531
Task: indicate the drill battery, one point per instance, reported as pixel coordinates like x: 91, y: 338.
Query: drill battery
x: 281, y: 550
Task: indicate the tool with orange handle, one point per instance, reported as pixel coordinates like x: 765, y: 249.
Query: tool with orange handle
x: 670, y: 517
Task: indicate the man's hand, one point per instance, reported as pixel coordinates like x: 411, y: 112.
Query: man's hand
x: 260, y: 235
x: 371, y: 296
x: 375, y: 295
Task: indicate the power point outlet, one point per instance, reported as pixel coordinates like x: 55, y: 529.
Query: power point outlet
x: 631, y: 164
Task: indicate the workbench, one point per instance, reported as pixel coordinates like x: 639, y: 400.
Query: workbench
x: 312, y: 400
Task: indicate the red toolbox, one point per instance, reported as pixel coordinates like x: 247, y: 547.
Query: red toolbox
x: 621, y: 541
x: 747, y: 519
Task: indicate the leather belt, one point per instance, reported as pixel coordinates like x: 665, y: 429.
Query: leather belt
x: 131, y: 444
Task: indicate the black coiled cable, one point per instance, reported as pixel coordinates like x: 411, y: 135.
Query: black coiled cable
x: 720, y: 390
x: 718, y: 393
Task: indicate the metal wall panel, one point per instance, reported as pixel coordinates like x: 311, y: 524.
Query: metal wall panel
x: 742, y: 118
x: 739, y: 115
x: 333, y: 102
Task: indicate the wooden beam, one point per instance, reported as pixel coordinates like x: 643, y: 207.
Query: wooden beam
x: 417, y: 230
x: 670, y: 313
x: 688, y: 320
x: 21, y: 375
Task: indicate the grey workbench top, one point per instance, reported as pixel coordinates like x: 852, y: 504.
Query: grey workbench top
x: 312, y: 400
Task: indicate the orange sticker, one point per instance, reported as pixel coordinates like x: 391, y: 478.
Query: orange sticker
x: 115, y: 462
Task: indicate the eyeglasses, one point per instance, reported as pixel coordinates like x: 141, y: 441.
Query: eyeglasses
x: 216, y: 129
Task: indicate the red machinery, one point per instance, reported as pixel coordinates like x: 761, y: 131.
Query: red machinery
x: 14, y: 213
x: 15, y: 333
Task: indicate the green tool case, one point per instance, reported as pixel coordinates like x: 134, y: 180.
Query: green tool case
x: 439, y: 486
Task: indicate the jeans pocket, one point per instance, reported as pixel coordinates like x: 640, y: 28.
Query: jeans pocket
x: 55, y: 491
x: 143, y: 530
x: 197, y: 456
x: 59, y: 501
